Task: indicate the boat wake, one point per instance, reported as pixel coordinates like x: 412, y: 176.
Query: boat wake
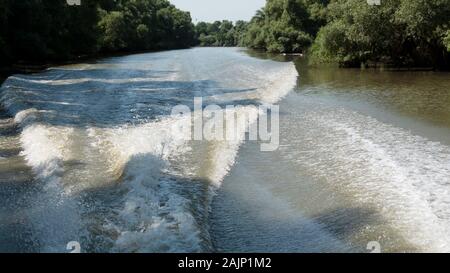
x: 110, y: 171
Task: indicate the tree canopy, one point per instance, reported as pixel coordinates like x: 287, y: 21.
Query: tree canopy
x: 349, y: 32
x: 286, y: 25
x: 220, y: 33
x: 38, y: 31
x: 400, y: 32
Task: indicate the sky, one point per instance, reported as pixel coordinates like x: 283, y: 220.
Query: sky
x: 212, y: 10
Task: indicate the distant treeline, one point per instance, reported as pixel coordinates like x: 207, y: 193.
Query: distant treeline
x: 353, y: 32
x: 221, y: 33
x: 348, y: 32
x: 50, y: 30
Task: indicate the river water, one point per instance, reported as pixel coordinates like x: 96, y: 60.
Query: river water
x: 88, y: 153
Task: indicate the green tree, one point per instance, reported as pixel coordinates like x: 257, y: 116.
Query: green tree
x: 42, y: 31
x: 285, y: 25
x: 447, y: 40
x: 240, y: 29
x: 111, y: 26
x: 424, y: 24
x: 402, y: 33
x: 220, y: 33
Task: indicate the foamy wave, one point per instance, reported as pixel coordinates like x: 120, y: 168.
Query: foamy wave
x: 153, y: 217
x: 45, y: 148
x: 148, y: 160
x: 280, y: 84
x: 222, y: 154
x: 404, y: 176
x: 56, y: 219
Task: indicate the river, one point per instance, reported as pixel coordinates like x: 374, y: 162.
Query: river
x: 88, y: 154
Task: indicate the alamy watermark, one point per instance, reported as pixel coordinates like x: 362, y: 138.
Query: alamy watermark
x: 230, y: 123
x: 374, y: 247
x: 73, y: 2
x: 74, y: 247
x: 374, y: 2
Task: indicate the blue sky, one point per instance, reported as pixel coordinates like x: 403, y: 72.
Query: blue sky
x: 212, y: 10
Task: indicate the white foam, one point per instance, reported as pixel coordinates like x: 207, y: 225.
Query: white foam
x: 156, y: 219
x: 280, y: 84
x: 56, y: 218
x: 141, y: 154
x: 154, y: 216
x: 146, y: 181
x: 224, y: 153
x: 406, y: 177
x: 45, y: 148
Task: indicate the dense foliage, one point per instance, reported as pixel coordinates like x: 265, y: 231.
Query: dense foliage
x: 144, y: 25
x: 220, y: 33
x: 38, y: 30
x: 447, y: 40
x: 398, y: 32
x: 352, y: 32
x: 349, y: 32
x: 286, y: 25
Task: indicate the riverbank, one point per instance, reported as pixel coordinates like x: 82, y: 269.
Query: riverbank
x: 28, y: 68
x: 306, y: 61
